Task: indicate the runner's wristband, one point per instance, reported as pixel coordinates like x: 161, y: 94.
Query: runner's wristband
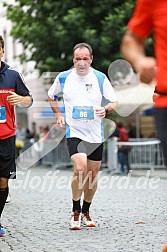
x: 106, y: 110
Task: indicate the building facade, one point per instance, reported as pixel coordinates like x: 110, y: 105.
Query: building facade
x: 31, y: 118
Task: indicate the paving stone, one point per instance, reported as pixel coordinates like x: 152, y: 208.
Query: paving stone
x: 130, y: 213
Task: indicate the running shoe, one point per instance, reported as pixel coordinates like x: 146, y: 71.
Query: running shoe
x: 75, y: 222
x: 87, y: 220
x: 2, y: 231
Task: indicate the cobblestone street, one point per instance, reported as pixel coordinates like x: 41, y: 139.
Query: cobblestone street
x: 130, y: 213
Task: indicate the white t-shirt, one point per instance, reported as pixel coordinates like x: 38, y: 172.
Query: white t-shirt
x: 81, y: 95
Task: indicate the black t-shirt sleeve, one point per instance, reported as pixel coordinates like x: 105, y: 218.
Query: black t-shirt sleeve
x: 21, y: 88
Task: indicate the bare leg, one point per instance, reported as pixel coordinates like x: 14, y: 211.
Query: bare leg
x: 4, y: 182
x: 91, y: 182
x: 80, y: 168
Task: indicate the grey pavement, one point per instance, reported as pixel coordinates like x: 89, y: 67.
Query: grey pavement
x: 130, y: 213
x: 162, y: 173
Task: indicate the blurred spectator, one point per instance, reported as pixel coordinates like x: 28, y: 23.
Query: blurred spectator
x: 20, y: 138
x: 28, y: 134
x: 39, y: 142
x: 20, y: 132
x: 123, y: 150
x: 131, y: 130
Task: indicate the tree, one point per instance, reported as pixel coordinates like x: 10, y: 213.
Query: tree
x: 49, y: 30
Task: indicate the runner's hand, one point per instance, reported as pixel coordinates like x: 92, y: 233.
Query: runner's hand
x: 100, y: 112
x: 14, y: 98
x: 60, y: 121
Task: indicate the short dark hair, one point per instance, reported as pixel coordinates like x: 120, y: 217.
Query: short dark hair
x: 1, y: 42
x: 82, y: 45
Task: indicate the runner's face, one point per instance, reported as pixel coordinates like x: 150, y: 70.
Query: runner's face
x: 82, y: 60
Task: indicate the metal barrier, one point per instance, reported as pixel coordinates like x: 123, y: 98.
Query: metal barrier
x: 144, y: 153
x: 46, y: 152
x: 58, y: 157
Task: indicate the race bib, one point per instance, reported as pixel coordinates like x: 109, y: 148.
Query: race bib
x: 83, y: 113
x: 2, y: 114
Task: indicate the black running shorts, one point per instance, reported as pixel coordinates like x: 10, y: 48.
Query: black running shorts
x: 7, y: 158
x: 93, y: 151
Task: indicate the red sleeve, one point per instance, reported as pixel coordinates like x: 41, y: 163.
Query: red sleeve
x: 123, y: 135
x: 141, y: 20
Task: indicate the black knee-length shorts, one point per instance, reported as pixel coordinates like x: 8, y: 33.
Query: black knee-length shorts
x: 93, y: 151
x: 7, y: 158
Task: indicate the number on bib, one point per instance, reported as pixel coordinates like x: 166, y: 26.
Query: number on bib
x: 83, y: 113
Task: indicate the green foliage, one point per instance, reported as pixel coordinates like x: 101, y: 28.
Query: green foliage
x: 114, y: 116
x: 50, y: 29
